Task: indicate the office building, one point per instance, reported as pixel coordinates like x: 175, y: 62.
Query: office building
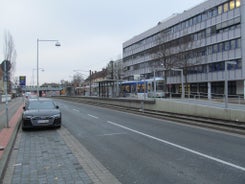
x: 200, y: 42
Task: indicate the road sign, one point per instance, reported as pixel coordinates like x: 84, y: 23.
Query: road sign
x: 8, y: 65
x: 22, y: 80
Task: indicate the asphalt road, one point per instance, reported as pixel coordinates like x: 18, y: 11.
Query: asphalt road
x: 104, y: 146
x: 137, y: 149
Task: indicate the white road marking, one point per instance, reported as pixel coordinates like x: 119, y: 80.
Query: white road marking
x: 75, y: 110
x: 92, y: 116
x: 19, y: 164
x: 180, y: 147
x: 122, y: 133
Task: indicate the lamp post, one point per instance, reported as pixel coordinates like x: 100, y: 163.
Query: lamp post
x: 226, y: 81
x: 182, y: 80
x: 33, y: 77
x: 57, y: 44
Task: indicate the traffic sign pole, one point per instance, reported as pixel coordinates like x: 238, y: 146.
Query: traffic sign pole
x: 6, y: 67
x: 6, y: 93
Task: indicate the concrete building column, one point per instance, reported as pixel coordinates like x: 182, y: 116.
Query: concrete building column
x: 244, y: 89
x: 243, y: 43
x: 209, y: 91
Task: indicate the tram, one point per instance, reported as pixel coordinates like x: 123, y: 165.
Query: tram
x: 143, y: 87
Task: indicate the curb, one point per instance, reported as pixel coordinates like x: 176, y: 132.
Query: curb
x: 7, y: 150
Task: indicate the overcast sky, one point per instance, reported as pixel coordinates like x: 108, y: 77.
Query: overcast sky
x: 91, y: 32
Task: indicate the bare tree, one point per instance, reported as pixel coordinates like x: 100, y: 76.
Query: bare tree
x: 189, y: 57
x: 114, y: 69
x: 9, y: 51
x: 184, y: 61
x: 77, y: 79
x: 163, y: 57
x: 64, y: 83
x: 178, y: 53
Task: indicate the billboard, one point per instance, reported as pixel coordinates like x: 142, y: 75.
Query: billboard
x: 22, y: 80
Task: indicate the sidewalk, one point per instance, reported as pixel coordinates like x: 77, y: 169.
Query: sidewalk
x: 7, y: 135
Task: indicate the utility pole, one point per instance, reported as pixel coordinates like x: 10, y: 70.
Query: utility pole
x: 90, y: 81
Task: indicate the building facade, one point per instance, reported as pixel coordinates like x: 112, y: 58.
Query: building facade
x: 1, y: 82
x: 200, y: 42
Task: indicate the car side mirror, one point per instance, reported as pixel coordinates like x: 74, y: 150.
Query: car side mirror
x: 57, y: 107
x: 24, y: 108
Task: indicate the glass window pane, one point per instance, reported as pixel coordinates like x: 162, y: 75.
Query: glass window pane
x: 227, y: 46
x: 220, y: 9
x: 232, y: 5
x: 239, y: 43
x: 238, y: 3
x: 215, y: 11
x: 226, y: 7
x: 233, y: 44
x: 221, y: 47
x: 215, y: 48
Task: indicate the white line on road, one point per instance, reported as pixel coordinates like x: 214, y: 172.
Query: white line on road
x: 75, y: 110
x: 19, y: 164
x: 122, y: 133
x: 92, y: 116
x: 180, y: 147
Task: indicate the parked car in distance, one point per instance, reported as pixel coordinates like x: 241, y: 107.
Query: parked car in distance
x: 41, y: 112
x: 30, y: 97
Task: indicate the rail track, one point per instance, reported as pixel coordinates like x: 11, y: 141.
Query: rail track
x: 218, y: 124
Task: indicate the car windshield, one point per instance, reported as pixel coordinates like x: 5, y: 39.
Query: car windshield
x: 39, y: 104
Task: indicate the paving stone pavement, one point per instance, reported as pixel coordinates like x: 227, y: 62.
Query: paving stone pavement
x: 53, y: 156
x: 42, y: 157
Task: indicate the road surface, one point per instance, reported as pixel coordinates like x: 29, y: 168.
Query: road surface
x: 127, y: 148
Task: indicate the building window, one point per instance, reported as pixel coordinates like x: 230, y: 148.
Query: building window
x: 226, y: 7
x: 238, y: 3
x: 190, y: 22
x: 238, y: 43
x: 215, y: 48
x: 227, y: 46
x: 233, y: 44
x: 221, y: 48
x: 199, y: 18
x: 232, y: 5
x: 239, y: 64
x: 204, y: 16
x: 210, y: 50
x: 220, y: 9
x: 215, y: 11
x: 210, y: 13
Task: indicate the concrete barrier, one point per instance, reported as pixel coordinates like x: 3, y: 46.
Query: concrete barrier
x: 213, y: 112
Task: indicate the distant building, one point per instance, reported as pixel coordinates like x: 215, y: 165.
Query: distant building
x: 199, y: 41
x: 1, y: 82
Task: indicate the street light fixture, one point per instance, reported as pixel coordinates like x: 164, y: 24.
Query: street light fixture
x: 57, y: 44
x: 226, y: 81
x: 182, y: 80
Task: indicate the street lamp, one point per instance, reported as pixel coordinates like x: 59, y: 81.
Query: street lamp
x: 182, y: 80
x: 226, y: 81
x: 57, y: 44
